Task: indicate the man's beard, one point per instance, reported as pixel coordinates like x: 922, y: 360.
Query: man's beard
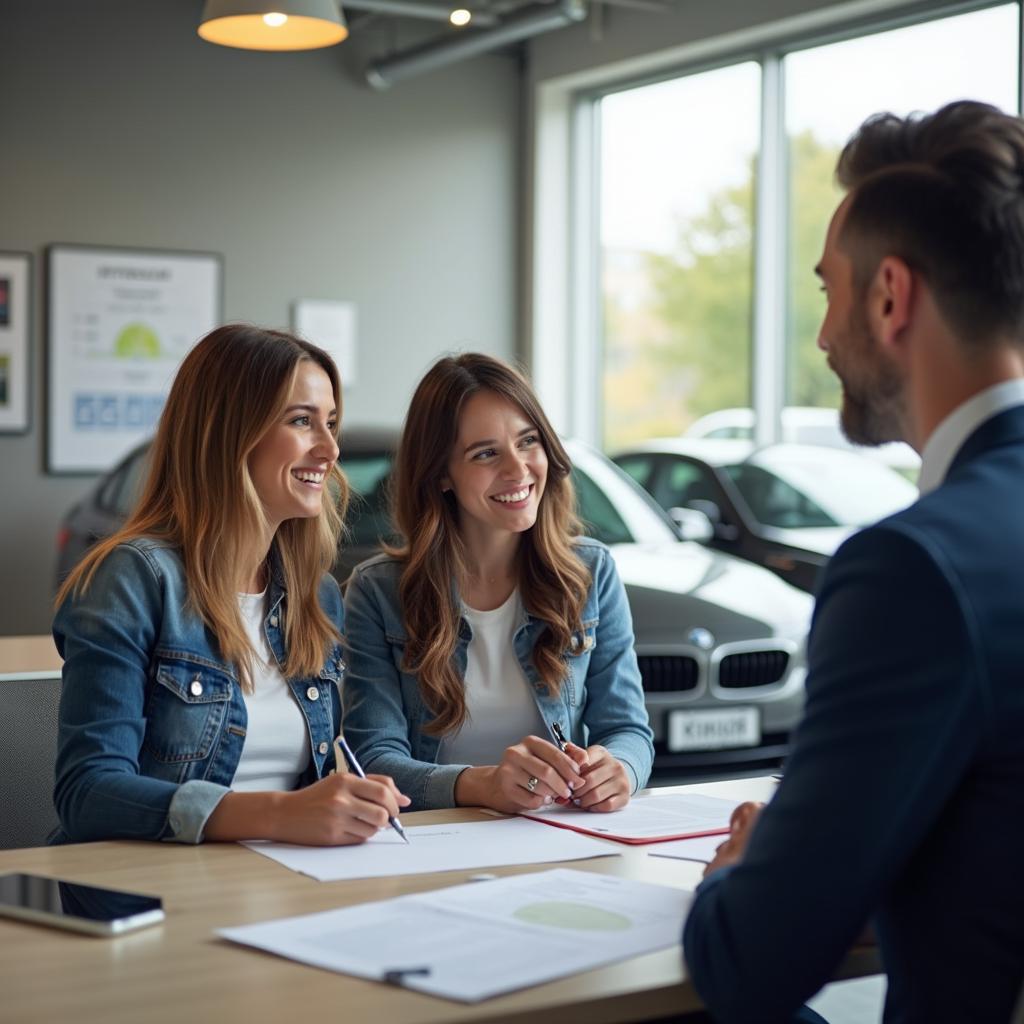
x: 873, y: 410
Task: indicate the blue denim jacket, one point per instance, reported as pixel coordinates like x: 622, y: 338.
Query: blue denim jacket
x: 601, y: 701
x: 152, y: 719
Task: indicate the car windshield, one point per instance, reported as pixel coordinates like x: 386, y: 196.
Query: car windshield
x: 794, y: 487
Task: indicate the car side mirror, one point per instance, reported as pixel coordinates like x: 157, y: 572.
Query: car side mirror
x: 692, y: 524
x: 720, y: 529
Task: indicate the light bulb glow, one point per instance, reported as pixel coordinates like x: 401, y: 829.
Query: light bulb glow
x: 275, y: 19
x: 460, y: 16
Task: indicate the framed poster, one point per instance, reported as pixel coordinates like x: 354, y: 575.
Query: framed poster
x: 15, y: 347
x: 119, y: 321
x: 332, y: 326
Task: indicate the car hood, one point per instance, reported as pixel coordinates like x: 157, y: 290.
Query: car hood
x: 677, y: 586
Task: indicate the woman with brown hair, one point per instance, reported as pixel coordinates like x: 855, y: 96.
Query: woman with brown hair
x: 491, y: 656
x: 201, y: 642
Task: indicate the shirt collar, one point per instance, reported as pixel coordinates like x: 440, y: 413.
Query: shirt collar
x: 948, y: 437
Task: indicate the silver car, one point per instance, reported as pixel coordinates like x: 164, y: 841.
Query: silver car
x: 720, y: 641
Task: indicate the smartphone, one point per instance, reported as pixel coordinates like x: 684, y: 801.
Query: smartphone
x: 80, y: 908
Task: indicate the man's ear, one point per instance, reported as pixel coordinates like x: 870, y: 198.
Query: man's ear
x: 890, y: 302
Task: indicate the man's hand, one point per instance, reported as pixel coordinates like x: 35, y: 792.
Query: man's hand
x: 741, y: 824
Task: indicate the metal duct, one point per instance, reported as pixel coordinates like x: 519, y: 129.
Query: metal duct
x: 412, y: 9
x: 524, y: 23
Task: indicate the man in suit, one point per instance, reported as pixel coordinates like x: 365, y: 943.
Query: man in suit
x: 902, y: 804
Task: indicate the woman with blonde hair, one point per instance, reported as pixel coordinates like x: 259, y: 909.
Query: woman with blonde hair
x: 201, y: 642
x: 491, y: 656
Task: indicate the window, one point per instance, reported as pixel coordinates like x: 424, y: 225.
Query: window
x: 921, y: 67
x: 685, y: 282
x: 676, y: 200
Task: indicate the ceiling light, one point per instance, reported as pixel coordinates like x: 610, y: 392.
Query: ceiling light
x: 273, y: 24
x: 460, y: 16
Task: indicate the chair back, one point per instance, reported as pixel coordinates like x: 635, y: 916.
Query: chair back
x: 28, y: 749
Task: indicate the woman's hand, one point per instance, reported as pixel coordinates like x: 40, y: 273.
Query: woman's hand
x: 606, y: 785
x: 532, y: 774
x: 338, y: 810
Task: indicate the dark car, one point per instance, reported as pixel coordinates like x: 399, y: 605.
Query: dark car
x: 719, y: 641
x: 786, y: 507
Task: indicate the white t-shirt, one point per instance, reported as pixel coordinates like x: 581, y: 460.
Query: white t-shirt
x: 502, y: 709
x: 276, y: 749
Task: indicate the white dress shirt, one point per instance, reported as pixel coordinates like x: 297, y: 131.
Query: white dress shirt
x: 948, y: 437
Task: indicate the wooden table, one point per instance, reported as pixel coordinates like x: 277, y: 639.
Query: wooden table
x: 181, y: 972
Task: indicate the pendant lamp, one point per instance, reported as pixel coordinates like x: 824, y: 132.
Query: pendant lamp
x: 273, y: 24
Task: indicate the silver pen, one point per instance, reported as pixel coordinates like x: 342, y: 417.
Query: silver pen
x: 358, y: 769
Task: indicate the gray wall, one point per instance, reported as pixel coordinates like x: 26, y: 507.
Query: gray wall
x: 123, y: 128
x: 620, y: 33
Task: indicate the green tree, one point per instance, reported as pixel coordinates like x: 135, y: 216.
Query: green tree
x: 687, y: 350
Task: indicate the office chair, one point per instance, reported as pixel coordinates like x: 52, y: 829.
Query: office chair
x: 28, y: 747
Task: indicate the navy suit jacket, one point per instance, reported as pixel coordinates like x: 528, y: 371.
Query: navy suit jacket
x: 903, y: 799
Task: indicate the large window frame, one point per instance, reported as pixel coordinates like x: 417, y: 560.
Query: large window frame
x: 565, y: 351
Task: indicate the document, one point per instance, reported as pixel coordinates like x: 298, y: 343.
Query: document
x: 454, y: 847
x: 702, y: 848
x: 646, y: 819
x: 471, y: 942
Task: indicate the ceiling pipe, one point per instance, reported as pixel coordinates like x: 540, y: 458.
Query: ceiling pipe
x: 411, y: 9
x: 522, y: 24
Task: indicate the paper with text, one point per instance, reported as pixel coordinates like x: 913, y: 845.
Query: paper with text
x: 474, y: 941
x: 452, y: 847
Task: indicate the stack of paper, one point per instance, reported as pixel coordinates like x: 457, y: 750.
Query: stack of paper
x: 471, y: 942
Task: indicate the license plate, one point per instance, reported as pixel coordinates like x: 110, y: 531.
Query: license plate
x: 714, y: 729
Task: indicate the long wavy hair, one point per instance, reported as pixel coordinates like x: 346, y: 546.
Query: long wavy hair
x: 199, y: 497
x: 553, y: 581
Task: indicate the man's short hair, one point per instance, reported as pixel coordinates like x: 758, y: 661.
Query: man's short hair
x: 945, y: 193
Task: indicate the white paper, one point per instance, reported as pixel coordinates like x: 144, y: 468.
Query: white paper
x: 702, y: 848
x: 332, y: 326
x: 648, y: 817
x: 453, y: 847
x: 472, y: 942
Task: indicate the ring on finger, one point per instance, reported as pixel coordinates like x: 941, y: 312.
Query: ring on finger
x: 531, y: 783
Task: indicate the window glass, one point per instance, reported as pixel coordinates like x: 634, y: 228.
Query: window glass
x: 774, y: 502
x: 675, y: 216
x: 681, y: 482
x: 830, y: 90
x: 638, y: 467
x: 600, y: 519
x: 368, y: 519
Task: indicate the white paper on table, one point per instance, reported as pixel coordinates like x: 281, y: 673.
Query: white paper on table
x: 647, y: 819
x: 460, y: 845
x: 474, y: 941
x: 702, y: 848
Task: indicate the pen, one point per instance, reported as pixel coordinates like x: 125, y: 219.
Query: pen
x: 358, y: 769
x: 559, y: 736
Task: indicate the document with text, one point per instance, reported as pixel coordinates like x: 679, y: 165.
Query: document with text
x: 474, y: 941
x: 647, y: 819
x: 452, y: 847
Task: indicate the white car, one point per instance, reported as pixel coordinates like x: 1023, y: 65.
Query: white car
x: 803, y: 424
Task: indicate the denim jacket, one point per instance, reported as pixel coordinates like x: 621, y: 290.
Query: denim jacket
x: 152, y: 719
x: 600, y: 701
